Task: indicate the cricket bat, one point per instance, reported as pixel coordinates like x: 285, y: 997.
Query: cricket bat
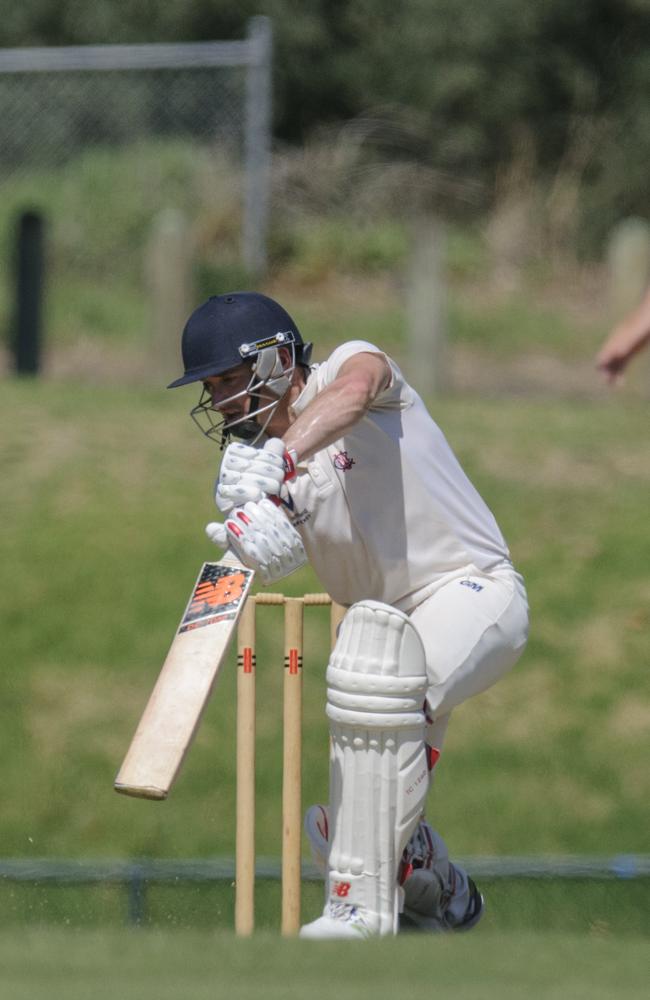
x: 174, y: 709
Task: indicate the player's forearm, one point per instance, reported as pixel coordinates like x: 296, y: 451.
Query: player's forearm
x: 631, y: 334
x: 636, y: 335
x: 630, y: 337
x: 330, y: 416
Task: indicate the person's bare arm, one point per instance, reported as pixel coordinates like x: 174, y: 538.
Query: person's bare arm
x: 625, y: 340
x: 340, y: 405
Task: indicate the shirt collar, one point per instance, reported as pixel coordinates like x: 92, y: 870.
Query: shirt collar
x: 308, y: 393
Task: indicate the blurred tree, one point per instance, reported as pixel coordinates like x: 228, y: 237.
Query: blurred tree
x: 451, y: 83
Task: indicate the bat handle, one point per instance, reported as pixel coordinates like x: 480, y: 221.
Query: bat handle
x: 230, y: 559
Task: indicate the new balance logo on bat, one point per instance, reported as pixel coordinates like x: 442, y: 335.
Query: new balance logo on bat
x: 218, y: 591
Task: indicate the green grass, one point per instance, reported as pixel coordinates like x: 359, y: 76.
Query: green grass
x: 315, y: 246
x: 105, y: 495
x: 164, y: 965
x: 604, y: 907
x: 100, y: 209
x: 509, y: 328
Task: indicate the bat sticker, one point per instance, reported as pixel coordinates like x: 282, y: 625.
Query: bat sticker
x: 216, y: 597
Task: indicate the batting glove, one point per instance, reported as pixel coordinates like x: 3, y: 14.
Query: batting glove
x: 247, y: 474
x: 263, y: 538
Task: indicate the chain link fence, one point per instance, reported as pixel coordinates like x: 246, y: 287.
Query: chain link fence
x: 100, y: 140
x: 139, y: 877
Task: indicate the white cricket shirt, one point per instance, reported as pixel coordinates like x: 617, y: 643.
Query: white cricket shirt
x: 386, y: 512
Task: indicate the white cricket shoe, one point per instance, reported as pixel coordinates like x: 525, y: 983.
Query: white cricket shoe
x: 339, y: 921
x: 438, y: 896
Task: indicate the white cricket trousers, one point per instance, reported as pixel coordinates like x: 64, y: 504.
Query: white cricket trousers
x: 474, y: 629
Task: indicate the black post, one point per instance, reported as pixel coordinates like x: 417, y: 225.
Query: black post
x: 137, y: 897
x: 29, y: 275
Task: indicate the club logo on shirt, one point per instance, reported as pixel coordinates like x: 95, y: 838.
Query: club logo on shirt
x: 343, y: 462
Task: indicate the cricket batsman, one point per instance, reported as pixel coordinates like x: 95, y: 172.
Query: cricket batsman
x: 366, y: 485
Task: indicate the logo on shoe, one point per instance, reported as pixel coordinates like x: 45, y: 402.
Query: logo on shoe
x: 341, y: 889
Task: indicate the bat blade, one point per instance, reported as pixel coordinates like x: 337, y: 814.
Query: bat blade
x: 173, y: 712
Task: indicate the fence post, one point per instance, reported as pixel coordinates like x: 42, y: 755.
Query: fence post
x: 258, y: 146
x: 169, y: 279
x: 28, y: 304
x: 426, y: 308
x: 136, y: 896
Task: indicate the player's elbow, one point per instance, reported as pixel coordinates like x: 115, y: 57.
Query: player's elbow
x: 357, y: 394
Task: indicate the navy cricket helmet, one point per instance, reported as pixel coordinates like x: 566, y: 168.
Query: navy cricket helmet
x: 232, y: 328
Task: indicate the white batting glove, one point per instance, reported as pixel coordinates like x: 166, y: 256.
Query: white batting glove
x: 263, y: 538
x: 247, y: 474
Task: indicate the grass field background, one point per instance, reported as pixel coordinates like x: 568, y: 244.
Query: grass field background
x: 105, y: 495
x: 163, y: 965
x: 106, y: 487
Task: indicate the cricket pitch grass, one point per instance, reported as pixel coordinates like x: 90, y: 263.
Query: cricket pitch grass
x: 161, y: 965
x: 106, y: 492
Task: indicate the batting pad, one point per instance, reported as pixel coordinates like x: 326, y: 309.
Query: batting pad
x: 376, y: 683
